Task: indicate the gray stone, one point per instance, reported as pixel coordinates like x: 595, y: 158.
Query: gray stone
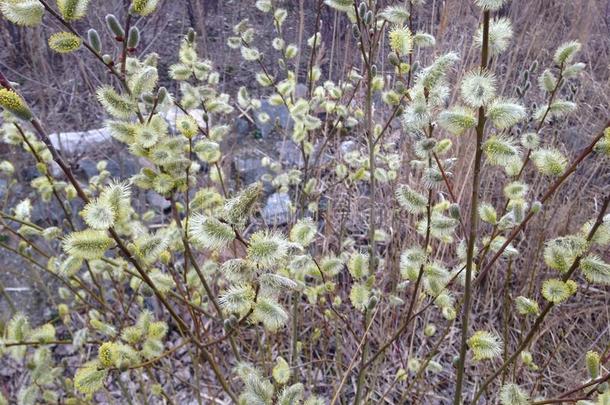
x: 157, y: 201
x: 249, y: 168
x: 88, y: 167
x: 173, y: 113
x: 81, y: 142
x: 29, y: 173
x: 300, y: 91
x: 241, y: 127
x: 26, y: 294
x: 72, y: 143
x: 277, y: 209
x: 124, y: 166
x: 279, y: 118
x: 347, y: 147
x: 289, y: 153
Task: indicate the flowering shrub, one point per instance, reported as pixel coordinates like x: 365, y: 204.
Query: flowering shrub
x: 213, y: 289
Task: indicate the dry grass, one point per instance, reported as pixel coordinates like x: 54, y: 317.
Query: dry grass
x: 61, y: 91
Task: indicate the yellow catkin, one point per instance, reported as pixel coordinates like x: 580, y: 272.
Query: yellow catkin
x: 64, y: 42
x: 15, y: 104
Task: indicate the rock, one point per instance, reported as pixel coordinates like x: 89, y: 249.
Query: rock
x: 124, y: 166
x: 28, y: 173
x: 72, y: 143
x: 241, y: 128
x: 157, y: 201
x: 88, y: 167
x: 290, y: 155
x: 120, y: 168
x: 279, y: 117
x: 172, y: 114
x: 300, y: 91
x: 28, y: 295
x: 277, y: 209
x: 347, y: 147
x: 249, y: 168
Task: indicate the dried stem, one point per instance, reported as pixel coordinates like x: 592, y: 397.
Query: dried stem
x: 538, y: 322
x: 474, y: 222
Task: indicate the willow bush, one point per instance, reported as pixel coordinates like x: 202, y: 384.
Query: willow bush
x: 264, y: 315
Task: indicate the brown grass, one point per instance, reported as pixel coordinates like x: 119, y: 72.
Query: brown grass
x: 61, y: 91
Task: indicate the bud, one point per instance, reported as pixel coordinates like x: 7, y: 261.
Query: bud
x: 133, y: 39
x: 72, y: 9
x: 536, y: 207
x: 115, y: 27
x: 393, y: 58
x: 156, y: 390
x: 520, y: 91
x: 187, y: 126
x: 146, y: 291
x: 237, y: 209
x: 443, y: 146
x: 71, y: 192
x: 63, y: 310
x: 88, y: 379
x: 415, y: 67
x: 148, y: 98
x: 107, y: 59
x: 165, y: 257
x: 518, y: 210
x: 428, y: 144
x: 230, y: 323
x: 374, y: 70
x: 355, y: 31
x: 151, y: 59
x: 107, y: 354
x: 400, y: 87
x: 593, y: 360
x: 191, y: 35
x: 41, y: 167
x: 94, y: 40
x: 7, y: 168
x: 454, y: 211
x: 430, y: 330
x: 143, y: 7
x: 362, y: 9
x: 161, y: 95
x: 372, y: 303
x: 368, y: 17
x: 50, y: 397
